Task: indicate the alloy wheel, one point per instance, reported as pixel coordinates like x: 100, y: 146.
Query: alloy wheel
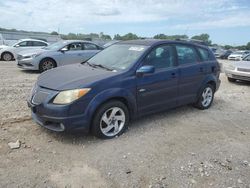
x: 47, y: 65
x: 7, y: 57
x: 207, y: 96
x: 112, y: 121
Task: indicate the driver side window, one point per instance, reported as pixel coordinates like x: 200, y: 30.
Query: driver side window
x: 161, y: 57
x: 75, y: 46
x: 23, y: 44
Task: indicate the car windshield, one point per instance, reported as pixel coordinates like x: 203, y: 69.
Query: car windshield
x: 118, y: 56
x: 56, y: 46
x: 246, y: 58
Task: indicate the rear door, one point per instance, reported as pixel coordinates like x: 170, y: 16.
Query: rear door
x: 158, y: 91
x: 192, y: 73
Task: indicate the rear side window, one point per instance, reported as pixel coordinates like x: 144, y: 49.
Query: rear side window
x: 37, y: 43
x: 161, y: 57
x: 88, y: 46
x: 186, y: 54
x: 204, y: 54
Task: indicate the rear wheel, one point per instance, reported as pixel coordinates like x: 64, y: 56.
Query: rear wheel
x: 110, y: 120
x: 46, y: 64
x: 206, y: 97
x: 7, y: 56
x: 231, y: 79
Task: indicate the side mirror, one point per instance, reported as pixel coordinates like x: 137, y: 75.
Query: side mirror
x: 17, y: 45
x: 147, y: 69
x: 64, y: 50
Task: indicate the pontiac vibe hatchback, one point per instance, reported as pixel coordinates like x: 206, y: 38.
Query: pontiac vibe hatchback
x: 124, y: 81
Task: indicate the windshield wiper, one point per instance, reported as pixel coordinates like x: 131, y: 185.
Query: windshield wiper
x: 102, y: 66
x: 97, y: 65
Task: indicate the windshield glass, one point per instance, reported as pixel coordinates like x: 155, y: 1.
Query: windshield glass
x: 56, y: 46
x: 118, y: 56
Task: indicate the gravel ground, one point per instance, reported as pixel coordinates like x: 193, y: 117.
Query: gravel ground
x: 183, y: 147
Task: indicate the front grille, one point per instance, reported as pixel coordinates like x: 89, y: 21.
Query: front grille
x: 237, y: 77
x: 243, y: 70
x: 39, y: 97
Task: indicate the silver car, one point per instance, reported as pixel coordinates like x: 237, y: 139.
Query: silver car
x: 58, y: 54
x: 238, y: 70
x: 8, y: 53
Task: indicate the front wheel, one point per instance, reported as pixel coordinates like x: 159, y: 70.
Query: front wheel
x: 46, y: 64
x: 206, y: 97
x: 110, y: 120
x: 7, y: 56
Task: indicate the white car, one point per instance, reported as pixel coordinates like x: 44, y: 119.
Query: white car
x: 3, y: 46
x: 8, y: 53
x: 237, y: 56
x: 239, y: 70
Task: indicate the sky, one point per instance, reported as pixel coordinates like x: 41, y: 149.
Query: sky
x: 226, y: 21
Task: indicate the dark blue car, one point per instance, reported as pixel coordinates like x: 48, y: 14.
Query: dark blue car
x: 124, y: 81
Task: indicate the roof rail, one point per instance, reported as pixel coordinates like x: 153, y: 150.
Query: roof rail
x: 193, y: 40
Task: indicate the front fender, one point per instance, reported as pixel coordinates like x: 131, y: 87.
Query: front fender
x: 109, y: 94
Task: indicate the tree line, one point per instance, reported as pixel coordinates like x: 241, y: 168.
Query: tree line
x: 131, y: 36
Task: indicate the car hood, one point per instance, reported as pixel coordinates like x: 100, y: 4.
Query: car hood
x: 72, y: 77
x: 242, y: 64
x: 31, y: 52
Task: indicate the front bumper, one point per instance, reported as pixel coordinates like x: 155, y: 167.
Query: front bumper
x: 57, y: 118
x: 238, y: 75
x: 26, y: 64
x: 59, y: 124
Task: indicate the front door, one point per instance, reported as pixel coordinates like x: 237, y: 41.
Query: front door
x: 73, y: 55
x: 158, y: 90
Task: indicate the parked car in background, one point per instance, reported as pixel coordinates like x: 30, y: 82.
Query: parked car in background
x: 3, y: 46
x: 58, y: 54
x: 124, y: 81
x: 237, y: 56
x: 246, y: 57
x: 8, y: 53
x: 225, y: 54
x: 239, y: 70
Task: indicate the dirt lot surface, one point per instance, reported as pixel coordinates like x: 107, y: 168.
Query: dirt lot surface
x: 183, y: 147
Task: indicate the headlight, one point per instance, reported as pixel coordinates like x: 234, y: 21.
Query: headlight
x: 35, y: 55
x: 65, y: 97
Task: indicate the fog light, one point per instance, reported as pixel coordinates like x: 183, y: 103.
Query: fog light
x: 62, y: 126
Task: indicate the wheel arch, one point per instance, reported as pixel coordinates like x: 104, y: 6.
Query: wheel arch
x: 105, y: 96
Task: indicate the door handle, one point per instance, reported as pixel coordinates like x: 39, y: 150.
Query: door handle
x: 173, y: 75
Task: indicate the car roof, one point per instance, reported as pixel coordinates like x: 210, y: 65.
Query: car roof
x: 153, y: 42
x: 70, y: 41
x: 33, y: 40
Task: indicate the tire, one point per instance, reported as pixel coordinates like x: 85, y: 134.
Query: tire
x: 206, y: 97
x: 110, y: 120
x: 231, y: 79
x: 46, y: 64
x: 7, y: 56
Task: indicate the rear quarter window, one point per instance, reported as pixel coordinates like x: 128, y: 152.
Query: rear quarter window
x: 204, y: 53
